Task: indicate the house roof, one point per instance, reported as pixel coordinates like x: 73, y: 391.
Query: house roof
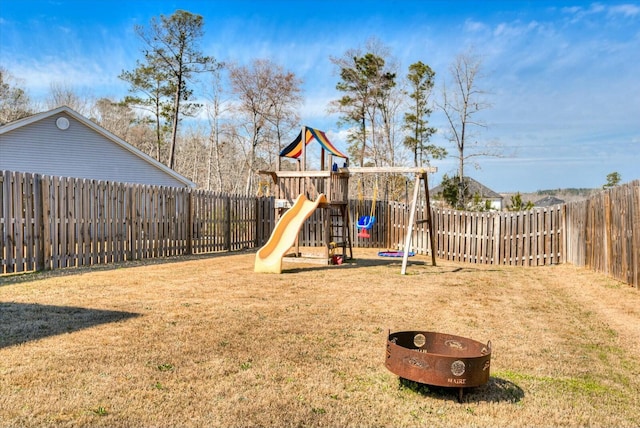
x: 100, y: 130
x: 548, y: 201
x: 475, y: 188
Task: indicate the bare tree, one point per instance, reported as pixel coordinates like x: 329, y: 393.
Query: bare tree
x: 142, y: 136
x: 14, y: 101
x: 63, y: 94
x: 285, y: 99
x: 115, y: 117
x: 120, y: 119
x: 461, y: 103
x: 268, y: 97
x: 190, y: 151
x: 215, y: 110
x: 225, y: 169
x: 387, y: 151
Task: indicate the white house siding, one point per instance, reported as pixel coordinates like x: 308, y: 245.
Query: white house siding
x: 78, y: 151
x: 496, y: 204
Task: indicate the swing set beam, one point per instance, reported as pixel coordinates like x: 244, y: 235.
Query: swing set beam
x: 388, y: 169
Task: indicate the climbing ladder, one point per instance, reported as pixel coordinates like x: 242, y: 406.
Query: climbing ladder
x: 339, y: 231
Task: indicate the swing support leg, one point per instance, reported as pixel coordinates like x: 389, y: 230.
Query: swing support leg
x: 414, y: 205
x: 412, y: 215
x: 429, y: 219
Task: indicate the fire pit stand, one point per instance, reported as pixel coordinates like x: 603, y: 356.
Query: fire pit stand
x: 438, y: 359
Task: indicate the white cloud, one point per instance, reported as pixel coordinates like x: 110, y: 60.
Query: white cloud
x: 627, y: 10
x: 515, y: 29
x: 473, y: 26
x: 572, y: 10
x: 100, y: 79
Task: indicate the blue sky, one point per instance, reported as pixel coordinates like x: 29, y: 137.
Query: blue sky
x: 563, y: 76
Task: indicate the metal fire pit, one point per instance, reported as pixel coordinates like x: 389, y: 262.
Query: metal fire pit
x: 438, y: 359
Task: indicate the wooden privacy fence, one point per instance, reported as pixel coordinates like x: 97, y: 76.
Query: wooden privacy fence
x: 52, y: 222
x: 601, y: 233
x: 525, y: 238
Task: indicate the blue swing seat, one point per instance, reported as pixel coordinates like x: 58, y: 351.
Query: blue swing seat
x: 366, y: 222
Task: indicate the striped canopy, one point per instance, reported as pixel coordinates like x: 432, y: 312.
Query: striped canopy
x: 294, y: 150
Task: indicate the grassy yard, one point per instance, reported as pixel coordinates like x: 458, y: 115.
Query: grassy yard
x: 208, y: 342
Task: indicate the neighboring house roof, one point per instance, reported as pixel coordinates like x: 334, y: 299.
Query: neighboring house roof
x: 475, y: 188
x: 23, y: 125
x: 548, y: 201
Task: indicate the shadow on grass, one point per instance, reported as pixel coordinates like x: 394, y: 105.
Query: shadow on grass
x: 360, y: 263
x: 18, y: 278
x: 349, y: 264
x: 356, y: 263
x: 496, y: 390
x: 24, y: 322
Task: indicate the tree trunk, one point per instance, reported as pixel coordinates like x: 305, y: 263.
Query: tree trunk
x: 158, y: 134
x: 174, y: 130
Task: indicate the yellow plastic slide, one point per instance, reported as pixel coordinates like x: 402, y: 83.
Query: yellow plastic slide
x: 269, y: 257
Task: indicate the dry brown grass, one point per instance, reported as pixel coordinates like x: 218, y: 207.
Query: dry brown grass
x: 207, y: 342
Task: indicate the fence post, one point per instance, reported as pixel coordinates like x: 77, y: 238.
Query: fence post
x: 9, y: 221
x: 495, y: 239
x: 560, y: 220
x: 190, y: 218
x: 635, y: 231
x: 256, y: 213
x: 47, y: 243
x: 258, y: 223
x: 40, y: 217
x: 227, y: 223
x: 606, y: 231
x: 129, y: 220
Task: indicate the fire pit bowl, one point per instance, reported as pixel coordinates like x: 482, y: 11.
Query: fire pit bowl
x: 438, y: 359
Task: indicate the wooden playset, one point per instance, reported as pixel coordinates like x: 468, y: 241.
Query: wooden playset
x: 302, y: 191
